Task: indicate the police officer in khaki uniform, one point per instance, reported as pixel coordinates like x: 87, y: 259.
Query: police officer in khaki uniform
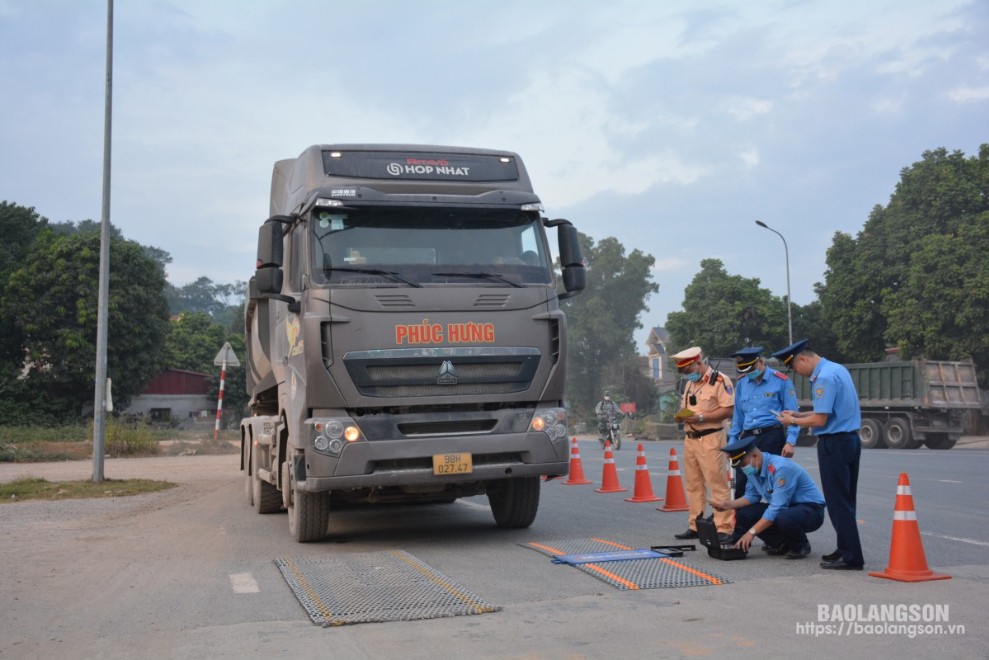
x: 708, y: 399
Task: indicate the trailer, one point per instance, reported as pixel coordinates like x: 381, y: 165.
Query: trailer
x: 906, y: 404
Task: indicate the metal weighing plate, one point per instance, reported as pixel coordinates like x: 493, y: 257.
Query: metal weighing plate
x: 376, y: 586
x: 661, y: 572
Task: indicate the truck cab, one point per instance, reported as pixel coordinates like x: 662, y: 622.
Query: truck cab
x: 405, y: 340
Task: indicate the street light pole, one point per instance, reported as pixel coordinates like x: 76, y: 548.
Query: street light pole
x: 786, y: 253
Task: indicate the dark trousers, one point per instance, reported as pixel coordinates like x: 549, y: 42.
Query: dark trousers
x: 790, y: 527
x: 838, y: 457
x: 771, y: 442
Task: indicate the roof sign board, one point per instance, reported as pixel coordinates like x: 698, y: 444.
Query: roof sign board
x: 419, y: 166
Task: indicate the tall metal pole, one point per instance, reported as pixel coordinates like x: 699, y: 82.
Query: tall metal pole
x: 786, y: 253
x: 99, y: 402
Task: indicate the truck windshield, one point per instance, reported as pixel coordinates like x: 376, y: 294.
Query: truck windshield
x: 372, y: 246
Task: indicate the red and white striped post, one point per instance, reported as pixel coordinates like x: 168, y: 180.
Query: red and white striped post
x: 219, y: 401
x: 223, y: 358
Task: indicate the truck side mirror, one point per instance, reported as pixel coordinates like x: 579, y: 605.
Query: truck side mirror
x: 268, y: 280
x: 574, y: 275
x: 269, y: 277
x: 270, y: 246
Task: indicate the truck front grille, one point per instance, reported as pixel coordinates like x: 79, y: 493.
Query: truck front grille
x: 442, y: 371
x: 455, y: 427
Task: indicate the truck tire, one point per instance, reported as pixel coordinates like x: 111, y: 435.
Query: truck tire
x: 248, y: 479
x: 940, y: 441
x: 514, y: 502
x: 308, y: 515
x: 898, y: 434
x: 266, y: 497
x: 871, y: 434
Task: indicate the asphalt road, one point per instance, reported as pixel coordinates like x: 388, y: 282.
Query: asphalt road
x: 189, y: 573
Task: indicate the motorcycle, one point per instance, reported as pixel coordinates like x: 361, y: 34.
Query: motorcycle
x: 613, y: 435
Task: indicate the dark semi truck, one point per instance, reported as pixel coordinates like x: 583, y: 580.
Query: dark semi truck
x: 404, y: 335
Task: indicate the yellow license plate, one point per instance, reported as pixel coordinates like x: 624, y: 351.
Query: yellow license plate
x: 452, y: 464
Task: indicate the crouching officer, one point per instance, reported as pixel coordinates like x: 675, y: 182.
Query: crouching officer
x: 793, y: 503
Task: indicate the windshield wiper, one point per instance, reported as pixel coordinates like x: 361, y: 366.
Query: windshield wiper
x: 375, y: 271
x: 478, y: 276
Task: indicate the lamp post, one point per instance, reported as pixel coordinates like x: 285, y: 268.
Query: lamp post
x: 786, y: 253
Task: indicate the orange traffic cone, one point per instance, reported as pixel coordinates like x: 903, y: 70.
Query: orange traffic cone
x: 643, y: 486
x: 676, y: 499
x: 907, y: 562
x: 609, y: 477
x: 576, y: 477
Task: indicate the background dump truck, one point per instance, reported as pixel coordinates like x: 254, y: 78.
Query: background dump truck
x: 404, y: 335
x: 909, y: 403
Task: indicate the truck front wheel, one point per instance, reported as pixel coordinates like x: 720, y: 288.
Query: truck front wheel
x: 514, y: 502
x: 248, y: 479
x: 308, y: 515
x: 265, y: 497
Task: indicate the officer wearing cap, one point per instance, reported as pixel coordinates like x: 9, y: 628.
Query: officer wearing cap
x: 793, y: 503
x: 835, y: 420
x: 761, y: 394
x: 708, y: 400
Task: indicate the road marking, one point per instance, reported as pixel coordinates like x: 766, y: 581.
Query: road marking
x: 244, y: 583
x: 955, y: 538
x: 949, y: 481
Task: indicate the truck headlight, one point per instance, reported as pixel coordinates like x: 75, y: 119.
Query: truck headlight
x: 328, y: 436
x: 551, y: 421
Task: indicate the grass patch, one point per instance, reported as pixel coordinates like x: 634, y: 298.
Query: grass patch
x: 27, y: 444
x: 32, y: 488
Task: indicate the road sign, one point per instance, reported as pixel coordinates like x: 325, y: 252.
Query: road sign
x: 226, y: 357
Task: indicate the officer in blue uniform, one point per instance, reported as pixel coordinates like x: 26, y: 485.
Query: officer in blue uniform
x: 761, y: 394
x: 793, y: 503
x: 835, y: 421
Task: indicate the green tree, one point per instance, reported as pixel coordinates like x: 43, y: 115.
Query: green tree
x: 194, y: 339
x: 915, y: 276
x: 809, y: 323
x: 722, y: 313
x: 19, y: 226
x: 203, y: 295
x: 628, y: 382
x: 54, y: 292
x: 602, y: 320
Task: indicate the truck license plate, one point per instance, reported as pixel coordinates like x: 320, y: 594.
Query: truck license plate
x: 452, y: 463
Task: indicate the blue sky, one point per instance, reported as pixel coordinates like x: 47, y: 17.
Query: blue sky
x: 670, y: 125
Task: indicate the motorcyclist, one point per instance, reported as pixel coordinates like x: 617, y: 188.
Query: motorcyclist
x: 606, y: 409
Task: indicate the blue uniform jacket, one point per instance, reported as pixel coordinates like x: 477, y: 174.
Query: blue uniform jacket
x: 833, y: 393
x: 756, y: 401
x: 782, y: 483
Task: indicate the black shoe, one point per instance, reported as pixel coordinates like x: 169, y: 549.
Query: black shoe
x: 777, y: 550
x: 840, y: 565
x: 689, y: 534
x: 799, y: 553
x: 724, y: 537
x: 831, y: 557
